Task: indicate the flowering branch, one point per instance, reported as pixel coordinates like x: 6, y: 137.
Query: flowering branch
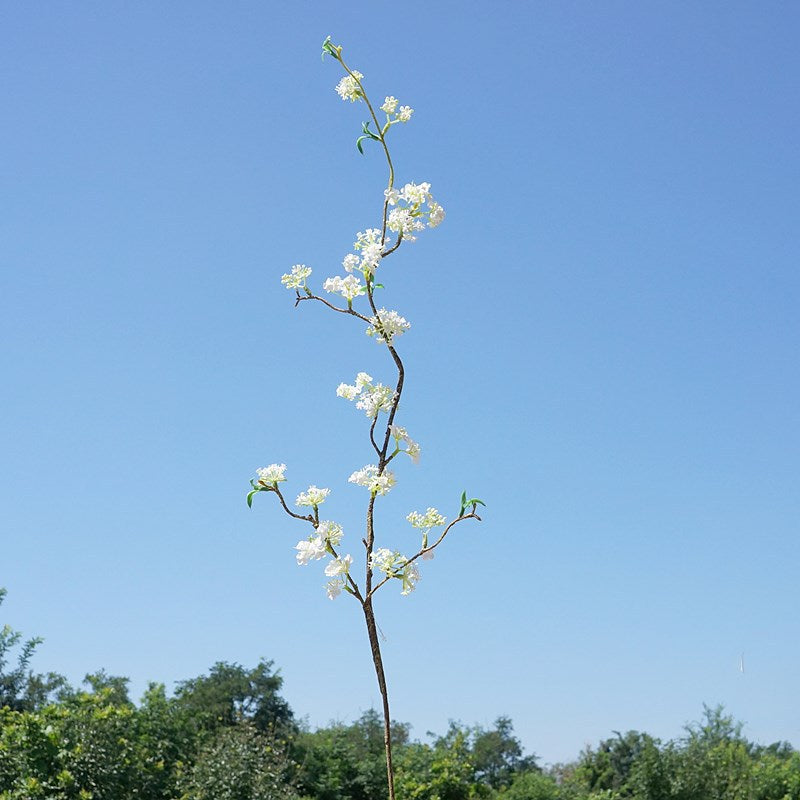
x: 405, y: 212
x: 424, y: 553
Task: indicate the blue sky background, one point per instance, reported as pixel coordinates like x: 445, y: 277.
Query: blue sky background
x: 604, y: 348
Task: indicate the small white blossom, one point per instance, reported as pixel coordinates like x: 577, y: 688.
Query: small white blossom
x: 308, y: 549
x: 403, y: 220
x: 369, y: 243
x: 436, y: 215
x: 391, y: 324
x: 349, y: 287
x: 410, y: 578
x: 313, y: 497
x: 389, y: 105
x: 272, y: 474
x: 430, y: 519
x: 396, y: 565
x: 385, y: 560
x: 335, y: 585
x: 412, y: 448
x: 348, y: 89
x: 391, y: 195
x: 351, y: 261
x: 416, y: 194
x: 347, y: 391
x: 362, y: 380
x: 368, y: 477
x: 367, y: 237
x: 371, y: 399
x: 330, y: 532
x: 296, y: 279
x: 404, y: 114
x: 339, y: 566
x: 375, y: 399
x: 371, y: 258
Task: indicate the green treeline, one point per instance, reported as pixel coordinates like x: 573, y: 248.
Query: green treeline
x: 229, y: 735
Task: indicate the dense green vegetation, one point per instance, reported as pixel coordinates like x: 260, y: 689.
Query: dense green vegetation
x: 229, y: 735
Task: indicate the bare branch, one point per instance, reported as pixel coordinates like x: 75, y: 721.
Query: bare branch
x: 396, y: 245
x: 306, y: 517
x: 322, y: 300
x: 372, y: 435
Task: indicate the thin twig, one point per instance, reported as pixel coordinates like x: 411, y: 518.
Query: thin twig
x: 322, y: 300
x: 424, y: 550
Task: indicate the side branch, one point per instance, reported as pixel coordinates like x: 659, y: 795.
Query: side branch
x: 394, y: 246
x: 304, y: 517
x: 322, y: 300
x: 424, y: 550
x: 354, y: 590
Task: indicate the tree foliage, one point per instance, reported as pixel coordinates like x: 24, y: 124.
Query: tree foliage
x: 229, y: 735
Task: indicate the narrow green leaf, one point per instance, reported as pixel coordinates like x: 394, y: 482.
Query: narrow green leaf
x: 250, y: 497
x: 358, y: 144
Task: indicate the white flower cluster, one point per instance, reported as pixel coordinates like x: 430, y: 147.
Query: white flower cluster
x: 410, y: 214
x: 368, y: 476
x: 402, y: 220
x: 371, y: 399
x: 348, y: 287
x: 391, y: 324
x: 315, y: 547
x: 389, y: 107
x: 296, y: 279
x: 313, y: 497
x: 337, y: 570
x: 412, y: 448
x: 348, y: 88
x: 272, y: 474
x: 430, y: 519
x: 325, y: 538
x: 368, y: 243
x: 396, y: 565
x: 425, y: 522
x: 385, y: 560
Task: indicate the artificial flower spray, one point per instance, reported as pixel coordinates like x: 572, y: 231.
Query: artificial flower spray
x: 405, y: 212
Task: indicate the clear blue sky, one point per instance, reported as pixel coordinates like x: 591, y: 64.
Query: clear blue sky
x: 604, y: 347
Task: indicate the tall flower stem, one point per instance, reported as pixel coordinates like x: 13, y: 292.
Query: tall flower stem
x: 377, y: 660
x: 383, y: 325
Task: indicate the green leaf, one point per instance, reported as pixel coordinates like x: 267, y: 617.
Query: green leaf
x: 475, y: 501
x: 358, y: 144
x: 250, y: 497
x: 328, y: 48
x: 367, y: 132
